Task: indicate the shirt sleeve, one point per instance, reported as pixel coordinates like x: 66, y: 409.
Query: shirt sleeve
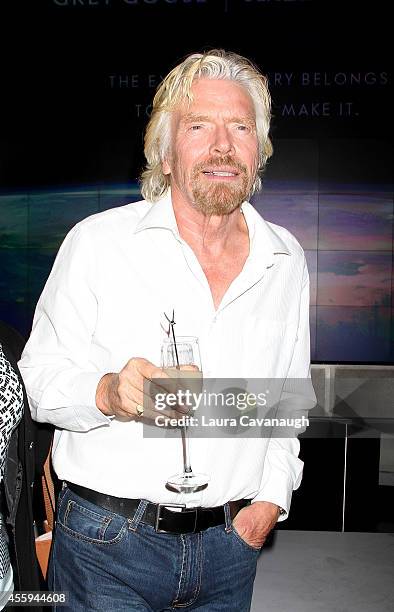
x: 282, y: 472
x: 60, y: 380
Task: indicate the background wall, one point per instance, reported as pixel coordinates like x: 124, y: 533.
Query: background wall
x: 77, y: 90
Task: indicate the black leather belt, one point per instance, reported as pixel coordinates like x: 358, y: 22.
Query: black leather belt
x: 165, y: 518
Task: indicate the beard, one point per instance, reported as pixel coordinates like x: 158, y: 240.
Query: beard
x: 220, y: 198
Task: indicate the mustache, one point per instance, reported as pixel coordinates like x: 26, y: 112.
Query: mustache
x: 219, y: 161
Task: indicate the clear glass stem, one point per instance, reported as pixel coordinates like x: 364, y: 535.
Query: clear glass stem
x: 186, y: 455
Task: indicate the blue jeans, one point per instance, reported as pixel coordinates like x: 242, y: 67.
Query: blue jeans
x: 111, y: 563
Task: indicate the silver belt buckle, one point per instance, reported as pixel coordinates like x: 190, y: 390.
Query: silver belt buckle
x: 159, y: 518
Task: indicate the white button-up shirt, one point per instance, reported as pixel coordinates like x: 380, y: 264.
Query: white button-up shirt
x: 115, y: 275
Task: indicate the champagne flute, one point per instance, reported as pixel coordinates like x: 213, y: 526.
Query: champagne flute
x: 183, y: 355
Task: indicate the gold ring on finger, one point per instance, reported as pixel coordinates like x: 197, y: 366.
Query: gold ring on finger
x: 140, y: 410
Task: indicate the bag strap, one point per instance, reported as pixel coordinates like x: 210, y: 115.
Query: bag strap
x: 48, y: 490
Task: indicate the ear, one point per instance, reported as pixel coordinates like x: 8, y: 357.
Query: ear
x: 166, y: 166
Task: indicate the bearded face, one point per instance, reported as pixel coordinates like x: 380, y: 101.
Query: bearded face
x: 220, y: 185
x: 213, y: 157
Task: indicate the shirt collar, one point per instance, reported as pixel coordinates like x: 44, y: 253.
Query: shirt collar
x: 160, y: 214
x: 264, y: 240
x: 262, y: 235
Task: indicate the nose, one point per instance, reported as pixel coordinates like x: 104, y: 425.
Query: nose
x: 222, y: 142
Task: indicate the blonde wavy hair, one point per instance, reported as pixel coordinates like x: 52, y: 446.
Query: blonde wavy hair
x: 176, y: 87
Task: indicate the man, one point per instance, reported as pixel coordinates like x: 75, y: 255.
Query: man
x: 239, y: 284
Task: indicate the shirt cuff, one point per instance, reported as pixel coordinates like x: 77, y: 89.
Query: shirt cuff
x: 73, y: 406
x: 83, y: 399
x: 278, y: 491
x: 279, y: 481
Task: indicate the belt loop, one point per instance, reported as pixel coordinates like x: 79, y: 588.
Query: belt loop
x: 227, y: 516
x: 138, y: 514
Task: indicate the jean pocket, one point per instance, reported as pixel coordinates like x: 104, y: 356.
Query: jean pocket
x: 243, y: 542
x: 91, y: 525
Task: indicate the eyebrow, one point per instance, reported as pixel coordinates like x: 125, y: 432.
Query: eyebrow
x: 192, y: 117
